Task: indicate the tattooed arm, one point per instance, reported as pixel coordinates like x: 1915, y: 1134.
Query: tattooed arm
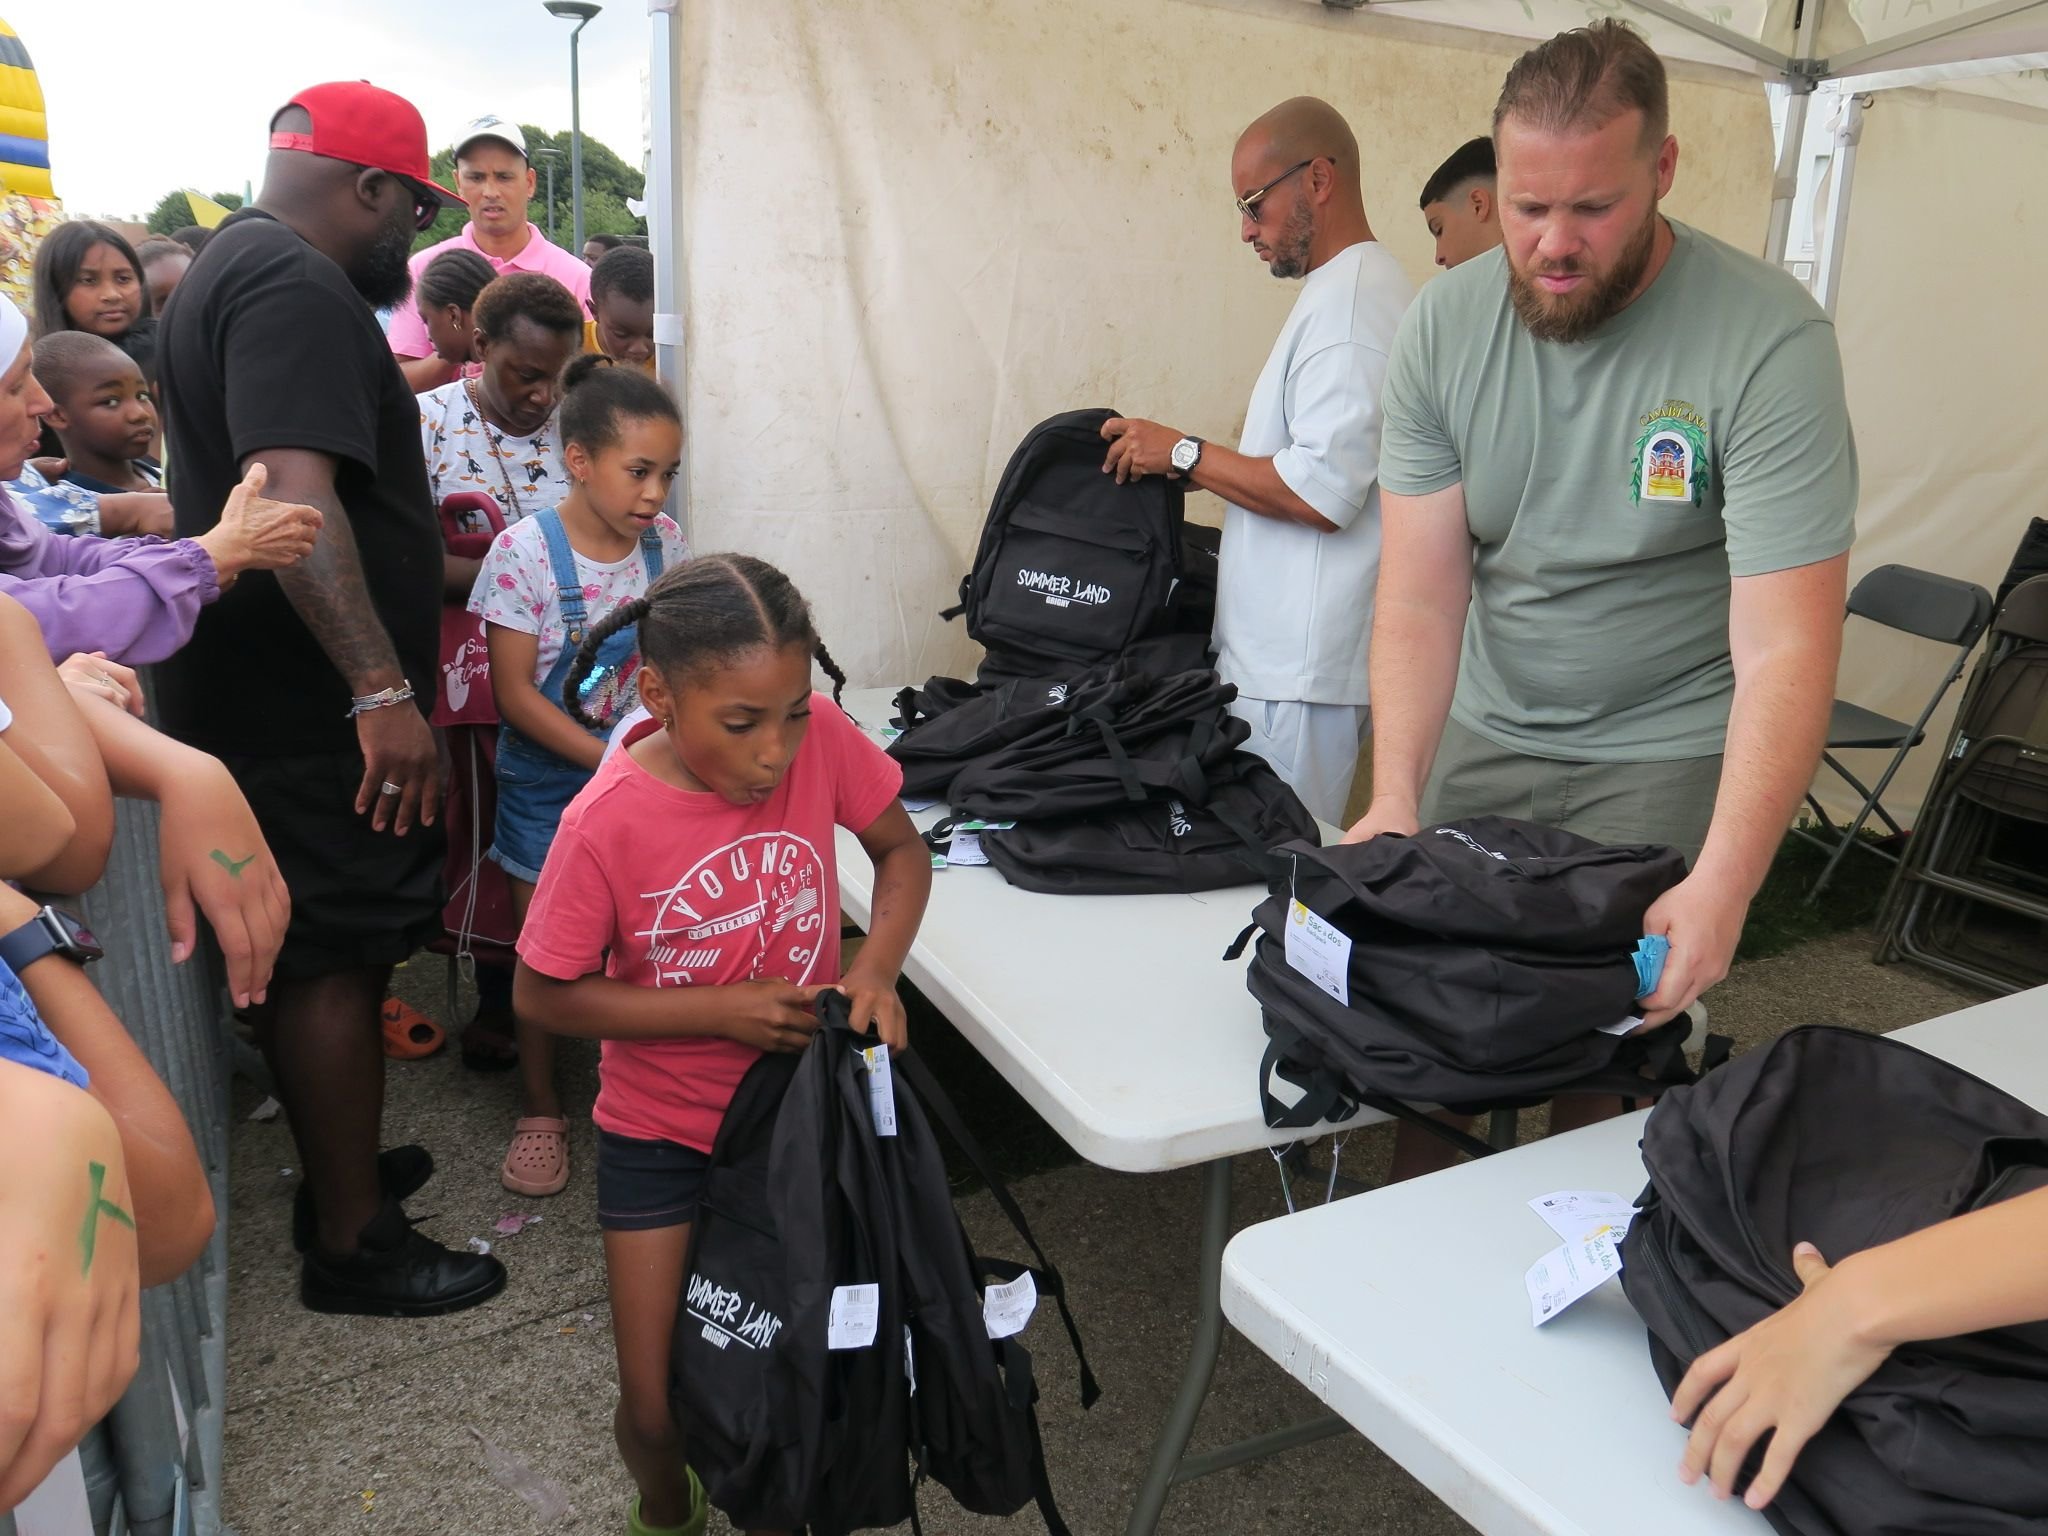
x: 328, y: 592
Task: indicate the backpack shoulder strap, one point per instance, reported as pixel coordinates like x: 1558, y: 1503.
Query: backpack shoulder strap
x: 941, y: 1108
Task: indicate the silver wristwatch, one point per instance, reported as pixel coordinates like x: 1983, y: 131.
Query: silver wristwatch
x: 1187, y: 453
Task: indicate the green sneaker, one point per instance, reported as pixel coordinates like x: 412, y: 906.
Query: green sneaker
x: 700, y: 1514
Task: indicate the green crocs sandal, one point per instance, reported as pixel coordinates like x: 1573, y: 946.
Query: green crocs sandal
x: 700, y: 1514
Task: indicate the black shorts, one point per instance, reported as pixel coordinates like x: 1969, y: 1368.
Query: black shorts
x: 360, y: 899
x: 642, y: 1185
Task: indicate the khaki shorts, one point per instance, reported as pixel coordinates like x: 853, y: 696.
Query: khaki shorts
x: 1670, y: 802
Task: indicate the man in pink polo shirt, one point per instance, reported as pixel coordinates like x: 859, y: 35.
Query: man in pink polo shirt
x: 494, y: 178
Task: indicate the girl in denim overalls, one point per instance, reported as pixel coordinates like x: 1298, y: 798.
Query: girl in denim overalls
x: 546, y: 583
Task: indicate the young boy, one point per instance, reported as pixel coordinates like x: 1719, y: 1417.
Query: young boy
x: 622, y: 307
x: 1458, y: 204
x: 104, y: 417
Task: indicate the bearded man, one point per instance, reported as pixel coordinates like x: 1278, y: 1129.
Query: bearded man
x: 1619, y: 493
x: 1301, y: 520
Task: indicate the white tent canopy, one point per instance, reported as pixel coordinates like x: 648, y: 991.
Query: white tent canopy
x: 895, y: 233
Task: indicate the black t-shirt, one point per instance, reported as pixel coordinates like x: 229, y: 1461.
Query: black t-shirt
x: 269, y: 347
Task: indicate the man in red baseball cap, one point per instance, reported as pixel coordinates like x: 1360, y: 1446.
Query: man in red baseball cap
x: 312, y: 688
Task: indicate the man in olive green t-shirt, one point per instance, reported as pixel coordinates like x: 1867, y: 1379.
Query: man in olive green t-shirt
x: 1619, y: 490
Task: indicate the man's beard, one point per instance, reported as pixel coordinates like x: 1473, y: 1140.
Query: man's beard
x: 1290, y: 248
x: 384, y: 277
x: 1575, y: 316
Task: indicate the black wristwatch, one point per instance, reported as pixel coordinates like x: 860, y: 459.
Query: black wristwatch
x: 49, y: 932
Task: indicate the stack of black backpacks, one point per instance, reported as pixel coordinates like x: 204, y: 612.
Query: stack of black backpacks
x: 1097, y: 726
x: 1480, y: 964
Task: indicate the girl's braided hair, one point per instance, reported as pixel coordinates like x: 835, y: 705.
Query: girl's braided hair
x: 704, y: 612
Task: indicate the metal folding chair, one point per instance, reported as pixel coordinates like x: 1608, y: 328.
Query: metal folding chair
x: 1983, y: 822
x: 1933, y: 607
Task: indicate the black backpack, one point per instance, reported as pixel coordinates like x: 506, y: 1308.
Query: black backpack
x: 1164, y: 844
x: 1485, y: 957
x: 1072, y: 567
x: 1948, y: 1437
x: 1166, y: 737
x: 945, y: 731
x: 804, y: 1198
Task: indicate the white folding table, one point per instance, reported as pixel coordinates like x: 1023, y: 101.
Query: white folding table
x: 1403, y: 1310
x: 1118, y: 1020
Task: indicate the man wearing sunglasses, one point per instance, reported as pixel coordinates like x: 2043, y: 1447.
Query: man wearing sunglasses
x: 1301, y: 534
x: 309, y: 684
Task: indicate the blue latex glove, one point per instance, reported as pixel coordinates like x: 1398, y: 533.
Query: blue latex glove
x: 1651, y: 949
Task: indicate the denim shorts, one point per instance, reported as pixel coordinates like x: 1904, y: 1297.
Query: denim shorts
x: 534, y: 788
x: 646, y: 1184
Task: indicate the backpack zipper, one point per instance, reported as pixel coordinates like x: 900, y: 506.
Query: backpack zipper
x: 1664, y: 1282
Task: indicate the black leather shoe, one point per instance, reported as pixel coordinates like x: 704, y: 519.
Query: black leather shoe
x: 401, y: 1171
x: 398, y: 1273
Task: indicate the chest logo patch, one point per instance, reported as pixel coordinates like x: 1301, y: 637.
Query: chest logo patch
x: 1671, y: 461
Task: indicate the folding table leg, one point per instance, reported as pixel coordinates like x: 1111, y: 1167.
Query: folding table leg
x: 1170, y: 1463
x: 1179, y: 1427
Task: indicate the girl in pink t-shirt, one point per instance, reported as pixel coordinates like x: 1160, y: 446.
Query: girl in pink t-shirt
x: 688, y: 917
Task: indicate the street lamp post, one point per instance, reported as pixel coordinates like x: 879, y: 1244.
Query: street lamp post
x: 581, y: 12
x: 548, y: 157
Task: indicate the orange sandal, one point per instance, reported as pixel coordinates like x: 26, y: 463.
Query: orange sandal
x: 409, y: 1035
x: 537, y: 1162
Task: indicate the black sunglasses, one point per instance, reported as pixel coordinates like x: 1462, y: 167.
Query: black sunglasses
x: 426, y: 206
x: 1248, y: 205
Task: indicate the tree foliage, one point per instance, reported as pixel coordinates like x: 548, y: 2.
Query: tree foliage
x: 607, y: 182
x: 174, y: 213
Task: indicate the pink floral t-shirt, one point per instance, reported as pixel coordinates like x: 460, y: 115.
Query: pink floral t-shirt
x: 516, y: 587
x: 659, y: 887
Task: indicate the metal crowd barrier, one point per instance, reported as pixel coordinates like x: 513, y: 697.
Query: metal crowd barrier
x: 153, y: 1466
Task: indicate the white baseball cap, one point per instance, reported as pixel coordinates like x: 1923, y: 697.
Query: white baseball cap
x: 498, y: 128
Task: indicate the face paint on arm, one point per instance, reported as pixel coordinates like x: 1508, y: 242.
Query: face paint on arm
x: 96, y: 1207
x: 232, y: 866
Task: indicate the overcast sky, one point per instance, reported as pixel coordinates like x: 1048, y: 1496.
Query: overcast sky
x: 148, y: 97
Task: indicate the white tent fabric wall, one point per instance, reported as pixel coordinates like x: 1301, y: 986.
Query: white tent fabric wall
x: 916, y: 227
x: 1943, y: 332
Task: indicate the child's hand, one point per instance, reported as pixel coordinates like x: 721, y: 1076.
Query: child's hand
x: 875, y: 1007
x: 773, y: 1015
x: 1782, y: 1377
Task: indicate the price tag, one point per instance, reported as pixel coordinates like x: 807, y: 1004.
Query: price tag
x: 966, y: 850
x: 851, y: 1322
x: 881, y: 1089
x: 1565, y: 1274
x: 1320, y: 952
x: 1007, y: 1308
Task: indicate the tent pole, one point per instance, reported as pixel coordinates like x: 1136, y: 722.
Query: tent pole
x: 1828, y: 268
x: 665, y: 220
x: 1858, y: 60
x: 1734, y: 42
x: 1785, y: 180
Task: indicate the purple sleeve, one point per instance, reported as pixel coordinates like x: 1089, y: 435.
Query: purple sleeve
x: 135, y: 599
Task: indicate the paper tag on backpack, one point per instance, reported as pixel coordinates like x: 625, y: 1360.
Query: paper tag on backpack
x: 1320, y: 952
x: 1007, y: 1308
x: 966, y: 849
x: 851, y: 1322
x: 1565, y: 1274
x: 881, y: 1089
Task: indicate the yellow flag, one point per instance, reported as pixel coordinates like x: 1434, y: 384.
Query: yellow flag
x: 206, y: 213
